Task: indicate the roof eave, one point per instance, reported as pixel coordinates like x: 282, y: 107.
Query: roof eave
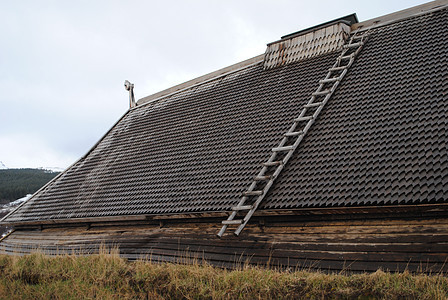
x: 432, y: 207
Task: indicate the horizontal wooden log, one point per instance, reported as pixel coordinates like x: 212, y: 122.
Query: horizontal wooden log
x: 344, y: 253
x: 307, y: 264
x: 332, y: 244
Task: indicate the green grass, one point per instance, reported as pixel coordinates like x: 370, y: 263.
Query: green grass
x: 107, y: 276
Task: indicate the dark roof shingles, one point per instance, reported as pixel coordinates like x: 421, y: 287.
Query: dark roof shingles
x: 381, y: 139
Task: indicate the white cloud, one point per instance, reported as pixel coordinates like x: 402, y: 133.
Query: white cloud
x: 21, y: 150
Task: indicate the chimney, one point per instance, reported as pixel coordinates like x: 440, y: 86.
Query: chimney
x: 314, y: 41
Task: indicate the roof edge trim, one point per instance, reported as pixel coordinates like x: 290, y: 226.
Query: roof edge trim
x: 2, y: 220
x: 403, y: 14
x: 201, y: 80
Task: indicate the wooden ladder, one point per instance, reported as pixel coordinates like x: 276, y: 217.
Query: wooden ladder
x: 281, y: 154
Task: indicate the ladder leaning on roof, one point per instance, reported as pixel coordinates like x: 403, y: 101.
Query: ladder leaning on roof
x: 261, y: 183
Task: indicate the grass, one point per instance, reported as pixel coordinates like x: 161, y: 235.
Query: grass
x: 107, y: 276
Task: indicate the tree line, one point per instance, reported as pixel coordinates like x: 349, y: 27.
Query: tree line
x: 16, y: 183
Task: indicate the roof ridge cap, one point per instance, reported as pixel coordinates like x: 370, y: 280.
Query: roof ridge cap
x: 403, y: 14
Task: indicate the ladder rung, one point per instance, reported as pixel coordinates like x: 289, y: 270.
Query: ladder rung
x: 303, y: 119
x: 312, y: 105
x: 242, y: 207
x: 345, y: 57
x: 232, y: 222
x: 357, y: 37
x: 253, y: 193
x: 272, y: 163
x: 284, y: 148
x: 296, y: 133
x: 338, y: 68
x: 261, y: 178
x: 329, y: 80
x: 324, y: 92
x: 354, y: 45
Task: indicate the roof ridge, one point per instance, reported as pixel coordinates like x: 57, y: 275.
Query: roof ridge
x: 403, y: 14
x: 380, y: 21
x: 200, y: 80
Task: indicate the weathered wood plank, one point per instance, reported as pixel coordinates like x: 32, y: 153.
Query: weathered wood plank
x: 252, y: 241
x: 315, y: 242
x: 343, y: 254
x: 178, y: 256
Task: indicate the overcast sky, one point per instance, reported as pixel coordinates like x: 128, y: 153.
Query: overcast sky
x: 63, y: 63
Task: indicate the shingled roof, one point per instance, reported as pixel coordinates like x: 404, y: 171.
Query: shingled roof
x: 381, y: 139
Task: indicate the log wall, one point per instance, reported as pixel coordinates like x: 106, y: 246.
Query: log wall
x: 328, y: 243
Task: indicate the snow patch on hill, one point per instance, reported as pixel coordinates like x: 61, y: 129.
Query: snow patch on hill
x: 53, y: 169
x: 7, y: 208
x: 13, y: 204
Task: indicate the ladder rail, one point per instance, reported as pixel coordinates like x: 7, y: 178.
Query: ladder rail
x: 320, y: 91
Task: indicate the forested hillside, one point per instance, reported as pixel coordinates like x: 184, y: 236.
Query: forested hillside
x: 16, y: 183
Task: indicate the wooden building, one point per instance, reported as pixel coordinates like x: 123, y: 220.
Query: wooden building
x: 331, y: 146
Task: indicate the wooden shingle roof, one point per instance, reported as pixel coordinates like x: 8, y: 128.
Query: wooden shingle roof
x: 381, y: 139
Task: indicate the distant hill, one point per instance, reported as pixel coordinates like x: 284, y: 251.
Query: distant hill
x: 16, y: 183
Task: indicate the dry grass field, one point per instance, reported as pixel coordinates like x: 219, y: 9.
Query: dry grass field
x: 107, y: 276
